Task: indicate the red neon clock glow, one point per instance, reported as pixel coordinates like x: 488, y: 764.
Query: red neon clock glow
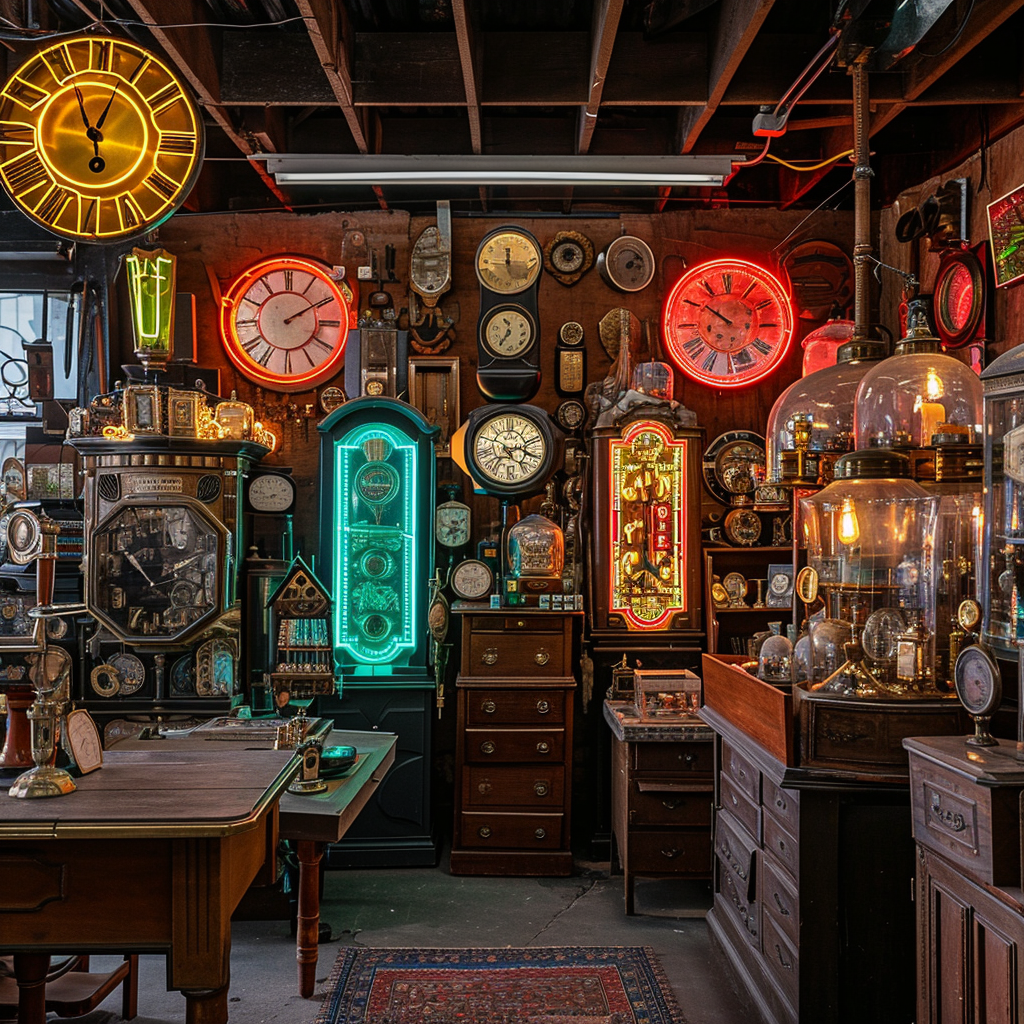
x: 284, y: 323
x: 727, y: 323
x: 648, y: 555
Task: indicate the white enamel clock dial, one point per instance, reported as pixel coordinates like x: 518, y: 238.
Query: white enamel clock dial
x: 509, y: 448
x: 472, y: 580
x: 452, y: 524
x: 508, y: 331
x: 271, y: 492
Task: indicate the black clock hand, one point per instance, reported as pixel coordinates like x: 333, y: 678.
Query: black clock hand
x: 131, y: 558
x: 312, y: 305
x: 81, y: 106
x: 719, y: 315
x: 106, y: 109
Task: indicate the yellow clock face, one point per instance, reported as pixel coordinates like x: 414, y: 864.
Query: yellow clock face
x: 508, y: 331
x: 508, y: 261
x: 99, y: 140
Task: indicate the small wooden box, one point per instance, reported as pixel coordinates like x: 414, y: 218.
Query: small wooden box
x: 666, y: 693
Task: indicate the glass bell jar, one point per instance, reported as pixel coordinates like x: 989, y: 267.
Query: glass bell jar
x: 870, y: 537
x: 919, y: 398
x: 821, y: 347
x: 536, y: 548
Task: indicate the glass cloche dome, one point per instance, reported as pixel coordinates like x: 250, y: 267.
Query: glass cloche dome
x: 918, y: 398
x: 821, y: 347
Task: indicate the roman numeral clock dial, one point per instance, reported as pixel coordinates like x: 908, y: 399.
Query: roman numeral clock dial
x: 99, y: 140
x: 727, y: 323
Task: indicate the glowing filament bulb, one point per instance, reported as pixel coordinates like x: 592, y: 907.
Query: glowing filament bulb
x: 849, y: 528
x: 933, y: 386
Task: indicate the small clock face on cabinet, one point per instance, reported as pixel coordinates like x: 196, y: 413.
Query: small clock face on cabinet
x: 284, y: 323
x: 508, y: 331
x: 99, y: 139
x: 977, y: 680
x: 272, y: 493
x: 727, y: 323
x: 508, y: 261
x: 472, y: 580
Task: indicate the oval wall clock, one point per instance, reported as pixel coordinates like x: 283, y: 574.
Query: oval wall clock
x: 99, y: 139
x: 727, y: 323
x: 959, y: 299
x: 284, y: 323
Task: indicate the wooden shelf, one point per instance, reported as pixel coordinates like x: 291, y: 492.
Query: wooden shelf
x: 788, y: 549
x: 783, y: 609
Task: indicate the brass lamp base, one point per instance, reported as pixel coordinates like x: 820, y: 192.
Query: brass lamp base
x: 306, y: 786
x: 44, y: 780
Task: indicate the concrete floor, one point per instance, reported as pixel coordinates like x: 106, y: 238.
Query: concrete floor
x: 427, y: 907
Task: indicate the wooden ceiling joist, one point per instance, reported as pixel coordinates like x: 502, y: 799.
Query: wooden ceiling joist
x: 606, y: 25
x: 466, y: 36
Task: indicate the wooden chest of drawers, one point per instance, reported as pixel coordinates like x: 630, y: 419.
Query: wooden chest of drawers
x: 513, y: 769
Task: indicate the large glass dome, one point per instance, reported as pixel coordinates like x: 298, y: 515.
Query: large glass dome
x: 821, y: 347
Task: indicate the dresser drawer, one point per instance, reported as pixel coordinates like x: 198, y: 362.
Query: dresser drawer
x: 737, y: 904
x: 747, y: 812
x: 666, y: 802
x: 735, y: 849
x: 780, y: 957
x: 781, y: 804
x: 483, y: 829
x: 539, y: 788
x: 528, y: 654
x: 782, y: 845
x: 779, y: 899
x: 512, y: 623
x: 514, y: 707
x: 745, y: 776
x: 669, y: 852
x: 514, y: 745
x: 697, y: 758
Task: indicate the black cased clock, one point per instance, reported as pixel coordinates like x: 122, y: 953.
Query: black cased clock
x: 508, y: 265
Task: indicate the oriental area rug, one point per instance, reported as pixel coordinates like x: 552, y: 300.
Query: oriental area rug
x: 545, y: 985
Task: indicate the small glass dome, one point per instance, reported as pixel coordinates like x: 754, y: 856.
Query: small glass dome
x: 536, y: 547
x: 821, y: 347
x: 918, y: 397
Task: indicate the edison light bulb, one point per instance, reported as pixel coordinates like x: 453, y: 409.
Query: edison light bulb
x: 849, y: 528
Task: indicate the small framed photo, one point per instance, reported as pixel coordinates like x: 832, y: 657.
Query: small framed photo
x: 142, y: 409
x: 182, y: 413
x: 84, y: 741
x: 434, y: 390
x: 780, y: 586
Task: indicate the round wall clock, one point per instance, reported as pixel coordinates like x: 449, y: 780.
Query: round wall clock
x: 270, y: 493
x: 284, y: 323
x: 507, y: 331
x: 734, y: 466
x: 472, y: 580
x: 727, y: 323
x: 508, y: 261
x: 99, y: 139
x: 568, y: 255
x: 959, y: 299
x: 627, y: 263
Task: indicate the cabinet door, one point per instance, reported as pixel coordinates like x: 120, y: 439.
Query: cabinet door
x: 995, y: 973
x: 949, y: 919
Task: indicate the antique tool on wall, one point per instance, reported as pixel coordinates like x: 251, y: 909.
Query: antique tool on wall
x: 430, y: 276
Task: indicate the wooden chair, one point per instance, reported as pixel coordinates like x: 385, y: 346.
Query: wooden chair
x: 71, y: 991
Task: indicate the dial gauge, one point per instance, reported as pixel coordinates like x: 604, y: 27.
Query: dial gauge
x: 452, y: 524
x: 508, y: 331
x: 978, y: 681
x: 284, y: 323
x: 377, y: 483
x: 968, y: 614
x: 131, y: 673
x: 571, y: 415
x: 959, y: 298
x: 735, y: 584
x: 99, y: 139
x: 727, y: 323
x: 742, y: 526
x: 508, y: 261
x: 271, y: 493
x: 627, y: 264
x: 568, y: 256
x: 472, y: 580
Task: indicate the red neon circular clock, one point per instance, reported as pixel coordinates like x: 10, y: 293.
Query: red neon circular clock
x: 727, y: 323
x: 284, y: 323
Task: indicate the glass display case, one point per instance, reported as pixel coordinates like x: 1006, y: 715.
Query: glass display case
x: 535, y: 555
x: 870, y: 537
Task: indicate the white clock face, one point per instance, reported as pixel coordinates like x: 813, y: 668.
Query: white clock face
x: 508, y: 332
x: 271, y: 493
x: 451, y: 524
x: 472, y: 580
x: 509, y: 448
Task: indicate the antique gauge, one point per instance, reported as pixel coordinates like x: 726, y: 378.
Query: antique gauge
x: 472, y: 580
x: 452, y: 524
x: 958, y: 303
x: 727, y: 323
x: 742, y: 526
x: 734, y: 466
x: 978, y: 684
x: 508, y: 263
x: 1006, y: 236
x: 570, y: 360
x: 568, y: 255
x: 270, y: 494
x: 735, y: 584
x: 284, y: 323
x: 571, y: 415
x: 101, y: 141
x: 627, y: 264
x: 968, y: 615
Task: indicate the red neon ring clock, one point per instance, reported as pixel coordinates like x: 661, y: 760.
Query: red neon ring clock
x: 727, y: 323
x: 284, y: 323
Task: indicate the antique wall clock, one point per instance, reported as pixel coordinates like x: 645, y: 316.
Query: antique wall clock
x: 284, y: 323
x: 734, y: 466
x: 508, y: 265
x: 959, y: 298
x: 570, y: 360
x: 1006, y: 235
x: 627, y: 264
x: 727, y: 323
x: 568, y: 255
x: 99, y: 140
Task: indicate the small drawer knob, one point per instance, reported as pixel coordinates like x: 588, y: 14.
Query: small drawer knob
x: 484, y: 832
x: 542, y: 657
x: 541, y: 788
x: 484, y: 788
x: 490, y: 656
x: 543, y: 747
x: 543, y: 707
x: 488, y: 707
x: 520, y: 623
x: 487, y: 747
x: 540, y: 833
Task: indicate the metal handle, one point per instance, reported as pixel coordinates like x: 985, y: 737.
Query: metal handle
x: 484, y: 832
x: 543, y: 707
x: 671, y: 854
x: 778, y: 903
x: 487, y: 747
x: 488, y: 707
x: 540, y: 834
x: 543, y: 747
x: 541, y: 788
x: 671, y: 803
x: 542, y: 657
x: 484, y: 788
x: 782, y: 960
x: 490, y: 656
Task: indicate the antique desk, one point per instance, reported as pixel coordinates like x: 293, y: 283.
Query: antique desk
x: 151, y: 854
x: 662, y: 793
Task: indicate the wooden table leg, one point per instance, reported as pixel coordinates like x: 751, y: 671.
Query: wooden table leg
x: 308, y: 917
x: 30, y: 969
x: 206, y: 1006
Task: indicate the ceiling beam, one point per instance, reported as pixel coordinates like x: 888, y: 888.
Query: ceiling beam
x: 466, y: 36
x: 602, y: 40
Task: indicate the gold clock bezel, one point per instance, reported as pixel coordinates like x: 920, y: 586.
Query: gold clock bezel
x: 123, y: 173
x: 505, y: 284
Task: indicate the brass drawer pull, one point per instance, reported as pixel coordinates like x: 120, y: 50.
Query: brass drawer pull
x: 543, y: 747
x: 542, y: 657
x: 689, y: 759
x: 671, y: 803
x: 484, y: 831
x: 487, y: 747
x: 543, y: 707
x: 671, y: 854
x: 484, y: 787
x: 490, y: 656
x: 488, y: 707
x: 540, y: 834
x: 782, y: 960
x: 541, y: 788
x: 778, y: 903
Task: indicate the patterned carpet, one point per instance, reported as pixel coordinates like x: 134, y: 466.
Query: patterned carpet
x: 554, y: 985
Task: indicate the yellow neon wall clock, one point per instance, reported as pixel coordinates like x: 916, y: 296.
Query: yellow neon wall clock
x: 99, y: 140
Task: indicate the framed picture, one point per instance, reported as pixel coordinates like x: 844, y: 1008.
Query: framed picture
x: 780, y: 586
x: 434, y: 390
x: 182, y: 413
x: 84, y: 740
x: 142, y: 409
